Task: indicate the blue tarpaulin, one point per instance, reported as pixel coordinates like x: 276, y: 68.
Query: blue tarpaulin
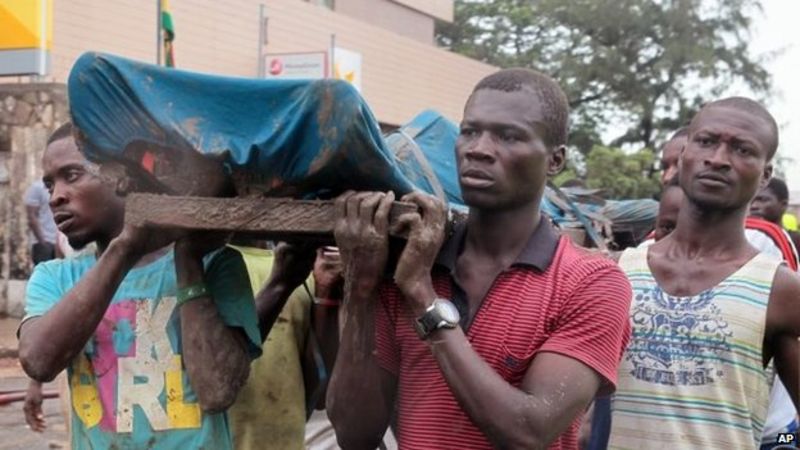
x: 305, y: 137
x: 311, y: 134
x: 425, y: 153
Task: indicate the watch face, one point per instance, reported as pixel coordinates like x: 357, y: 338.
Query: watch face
x: 448, y: 311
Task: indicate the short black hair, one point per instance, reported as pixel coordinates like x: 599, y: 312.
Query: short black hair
x: 680, y: 132
x: 61, y: 132
x: 755, y: 108
x: 554, y: 104
x: 779, y: 188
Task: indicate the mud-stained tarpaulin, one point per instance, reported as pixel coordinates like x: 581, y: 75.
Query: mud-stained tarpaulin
x: 297, y: 136
x: 290, y: 137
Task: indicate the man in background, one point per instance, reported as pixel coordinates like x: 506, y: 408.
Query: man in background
x: 714, y: 286
x: 41, y: 226
x: 300, y: 314
x: 771, y: 203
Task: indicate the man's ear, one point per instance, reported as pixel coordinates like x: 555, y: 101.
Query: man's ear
x: 680, y: 157
x: 556, y: 160
x: 765, y: 176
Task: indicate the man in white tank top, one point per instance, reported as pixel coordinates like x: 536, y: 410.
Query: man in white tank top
x: 708, y: 311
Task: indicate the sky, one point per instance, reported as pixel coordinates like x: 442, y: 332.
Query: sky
x: 776, y: 29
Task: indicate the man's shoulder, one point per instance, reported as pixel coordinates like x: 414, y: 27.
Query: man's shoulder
x: 784, y: 301
x: 581, y: 271
x: 786, y: 282
x: 571, y: 259
x: 78, y: 262
x: 51, y: 279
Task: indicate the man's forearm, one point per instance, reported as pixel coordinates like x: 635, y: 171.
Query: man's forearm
x: 509, y: 417
x: 360, y: 394
x: 270, y: 301
x: 326, y: 329
x: 50, y: 342
x: 214, y: 354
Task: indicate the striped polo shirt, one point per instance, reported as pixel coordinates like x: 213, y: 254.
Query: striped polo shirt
x: 693, y: 376
x: 554, y: 298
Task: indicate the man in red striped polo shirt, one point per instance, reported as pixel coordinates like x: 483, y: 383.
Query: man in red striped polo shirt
x: 498, y: 337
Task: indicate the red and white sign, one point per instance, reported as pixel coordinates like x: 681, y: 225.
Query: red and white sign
x: 308, y: 65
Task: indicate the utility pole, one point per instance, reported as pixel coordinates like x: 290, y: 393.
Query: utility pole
x: 158, y: 32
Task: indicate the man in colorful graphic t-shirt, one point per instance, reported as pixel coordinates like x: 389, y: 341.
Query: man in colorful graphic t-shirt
x: 156, y: 338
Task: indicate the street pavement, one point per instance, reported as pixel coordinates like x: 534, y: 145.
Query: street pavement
x: 14, y: 433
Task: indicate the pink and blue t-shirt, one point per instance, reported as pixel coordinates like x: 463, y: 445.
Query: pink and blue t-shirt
x: 129, y: 386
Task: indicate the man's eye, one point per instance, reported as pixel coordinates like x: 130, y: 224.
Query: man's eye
x: 744, y: 150
x: 704, y: 141
x: 506, y: 137
x: 468, y: 132
x: 73, y: 175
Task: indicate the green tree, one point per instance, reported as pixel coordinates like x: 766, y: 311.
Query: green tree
x: 621, y: 175
x: 642, y: 65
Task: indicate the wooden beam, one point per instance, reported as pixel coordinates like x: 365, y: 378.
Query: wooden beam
x: 271, y: 218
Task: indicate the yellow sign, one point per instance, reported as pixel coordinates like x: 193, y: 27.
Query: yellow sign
x: 347, y: 66
x: 26, y: 29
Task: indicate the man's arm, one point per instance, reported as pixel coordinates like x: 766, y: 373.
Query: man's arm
x: 215, y: 354
x: 360, y: 395
x: 324, y: 318
x: 292, y: 264
x: 33, y: 222
x: 554, y: 391
x: 783, y: 330
x: 48, y: 343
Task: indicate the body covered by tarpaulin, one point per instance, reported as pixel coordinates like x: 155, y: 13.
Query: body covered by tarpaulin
x: 288, y: 137
x: 279, y: 137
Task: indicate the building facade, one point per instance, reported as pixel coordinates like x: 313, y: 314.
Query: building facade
x: 403, y: 72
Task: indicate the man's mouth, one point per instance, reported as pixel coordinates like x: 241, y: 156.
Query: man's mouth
x: 63, y: 221
x: 476, y: 178
x: 714, y: 179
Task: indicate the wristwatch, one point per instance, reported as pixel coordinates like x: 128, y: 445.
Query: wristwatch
x: 441, y: 314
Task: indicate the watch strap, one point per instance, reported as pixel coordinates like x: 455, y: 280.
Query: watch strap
x: 432, y: 320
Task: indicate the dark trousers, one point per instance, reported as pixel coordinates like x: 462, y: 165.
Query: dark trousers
x: 43, y: 251
x: 601, y: 424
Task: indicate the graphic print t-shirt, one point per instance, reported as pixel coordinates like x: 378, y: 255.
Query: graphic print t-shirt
x: 129, y: 386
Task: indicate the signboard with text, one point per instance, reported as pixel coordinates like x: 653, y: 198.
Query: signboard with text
x: 310, y: 65
x: 343, y: 64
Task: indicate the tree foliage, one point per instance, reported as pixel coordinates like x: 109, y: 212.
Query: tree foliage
x: 621, y: 175
x: 642, y: 66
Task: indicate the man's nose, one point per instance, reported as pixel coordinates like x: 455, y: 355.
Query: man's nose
x: 58, y: 195
x: 482, y: 148
x: 720, y: 157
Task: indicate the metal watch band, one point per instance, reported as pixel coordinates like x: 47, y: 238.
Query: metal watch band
x: 433, y: 320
